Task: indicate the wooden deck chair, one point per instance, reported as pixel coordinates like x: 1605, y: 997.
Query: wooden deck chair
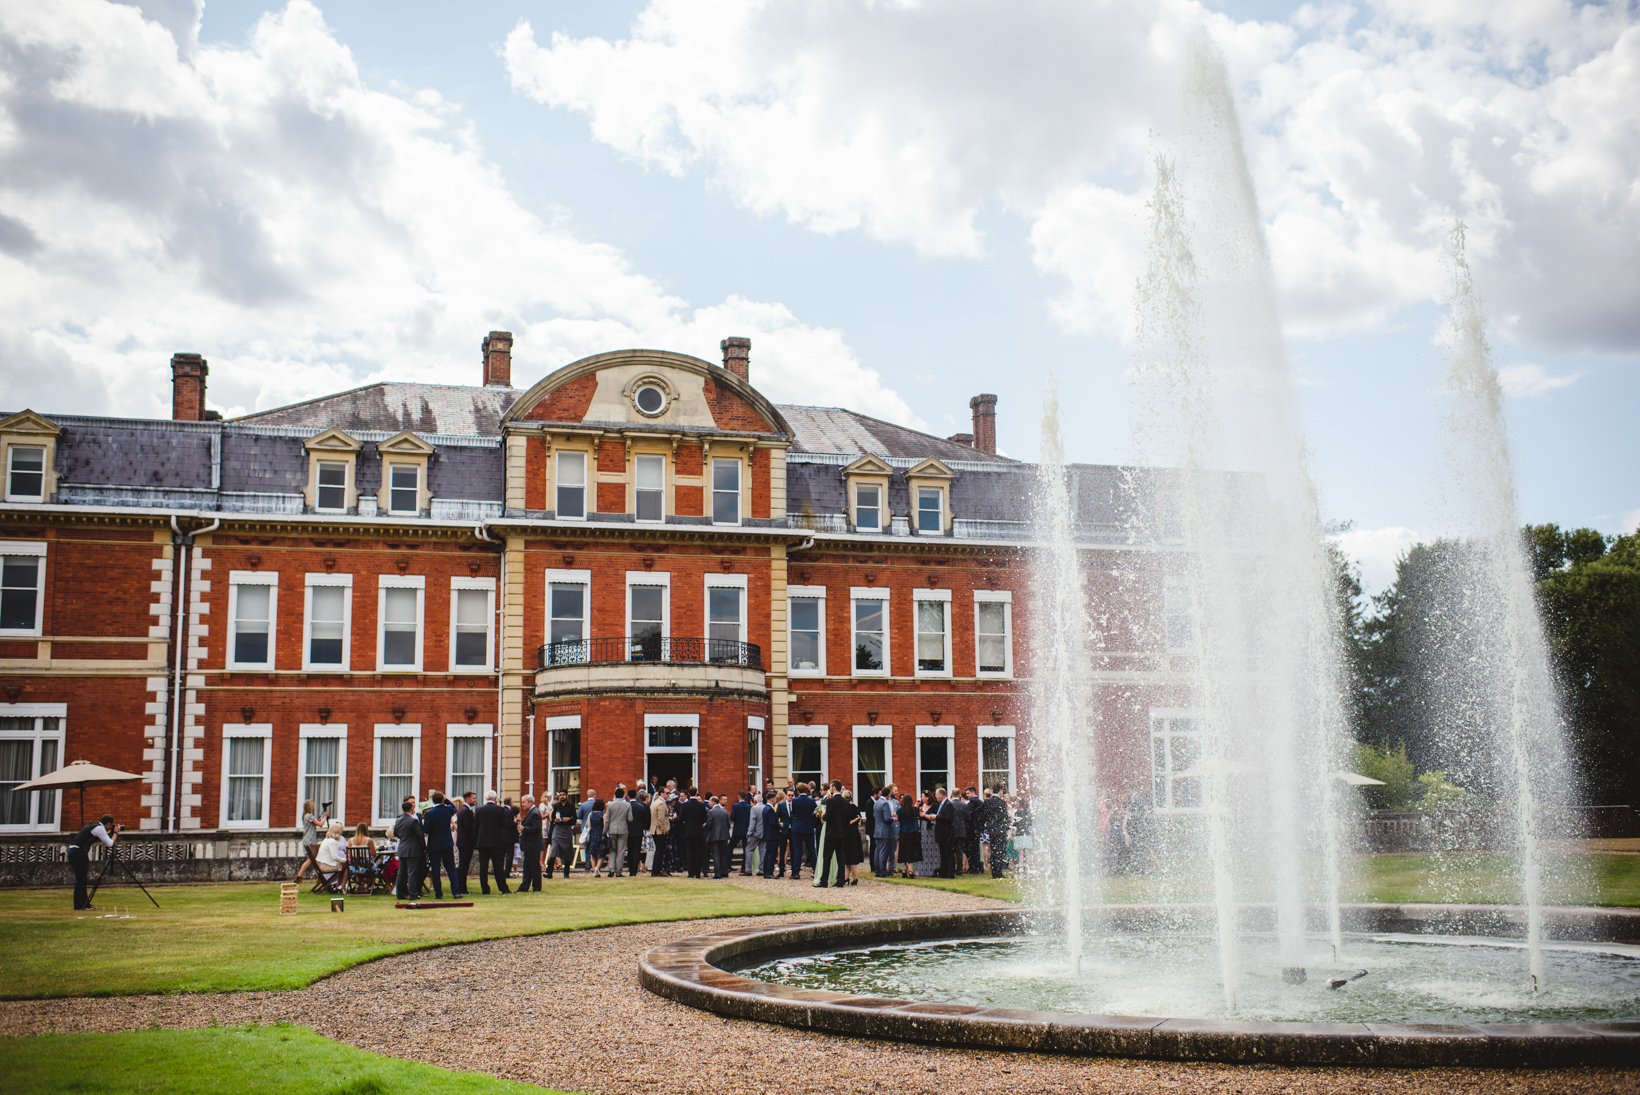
x: 362, y: 875
x: 330, y: 881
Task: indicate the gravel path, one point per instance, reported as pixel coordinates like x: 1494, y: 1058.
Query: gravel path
x: 566, y: 1011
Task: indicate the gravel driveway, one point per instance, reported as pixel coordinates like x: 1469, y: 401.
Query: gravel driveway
x: 566, y: 1011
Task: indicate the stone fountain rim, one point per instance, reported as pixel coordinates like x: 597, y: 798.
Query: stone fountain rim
x: 689, y: 971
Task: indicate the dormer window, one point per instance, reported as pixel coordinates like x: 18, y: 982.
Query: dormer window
x: 930, y: 509
x: 332, y: 486
x: 26, y: 475
x: 404, y: 491
x: 868, y: 509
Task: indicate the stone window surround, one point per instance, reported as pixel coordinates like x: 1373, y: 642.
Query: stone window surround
x: 28, y: 429
x: 333, y: 446
x: 1008, y: 733
x: 868, y: 471
x: 884, y: 732
x: 411, y: 730
x: 385, y: 582
x: 934, y: 475
x: 327, y: 579
x: 725, y: 581
x: 404, y: 448
x: 818, y: 593
x: 872, y: 593
x: 308, y: 730
x: 917, y: 597
x: 264, y: 731
x: 25, y: 549
x: 1005, y: 597
x: 236, y: 579
x: 459, y: 583
x: 820, y: 732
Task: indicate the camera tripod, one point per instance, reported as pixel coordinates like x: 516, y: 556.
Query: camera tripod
x: 114, y: 854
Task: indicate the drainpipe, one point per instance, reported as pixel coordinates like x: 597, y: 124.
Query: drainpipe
x: 500, y: 647
x: 532, y: 750
x: 183, y: 541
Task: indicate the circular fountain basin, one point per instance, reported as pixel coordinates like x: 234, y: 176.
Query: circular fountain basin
x: 1451, y: 987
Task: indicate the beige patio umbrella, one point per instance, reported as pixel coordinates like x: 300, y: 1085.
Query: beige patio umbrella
x: 1356, y: 779
x: 81, y: 774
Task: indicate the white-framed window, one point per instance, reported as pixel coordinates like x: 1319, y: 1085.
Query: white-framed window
x: 568, y: 619
x: 997, y: 763
x: 726, y: 618
x: 1178, y: 615
x: 396, y: 769
x: 327, y: 629
x: 253, y: 606
x: 1178, y: 743
x: 806, y: 630
x: 399, y: 611
x: 993, y: 633
x: 31, y: 746
x: 472, y: 625
x: 755, y: 726
x: 467, y: 758
x: 806, y: 749
x: 247, y: 765
x: 648, y: 614
x: 564, y: 754
x: 873, y: 761
x: 931, y: 613
x: 868, y: 507
x: 22, y: 585
x: 649, y: 487
x: 930, y: 510
x: 725, y: 491
x: 25, y: 473
x: 671, y: 748
x: 322, y: 761
x: 936, y: 758
x: 404, y: 489
x: 332, y: 493
x: 868, y: 639
x: 571, y: 479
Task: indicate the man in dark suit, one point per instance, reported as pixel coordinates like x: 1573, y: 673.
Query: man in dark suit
x: 435, y: 822
x: 802, y: 830
x: 412, y: 852
x: 640, y: 826
x: 465, y: 838
x: 693, y: 816
x: 946, y: 816
x: 718, y: 830
x: 740, y: 818
x: 974, y: 818
x: 530, y: 846
x: 772, y: 836
x: 839, y: 815
x: 492, y: 827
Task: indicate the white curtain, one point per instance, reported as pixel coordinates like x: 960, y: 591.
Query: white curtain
x: 245, y: 774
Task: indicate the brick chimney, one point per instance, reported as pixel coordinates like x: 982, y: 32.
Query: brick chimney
x: 188, y: 373
x: 962, y: 439
x: 985, y: 422
x: 737, y: 357
x: 498, y: 359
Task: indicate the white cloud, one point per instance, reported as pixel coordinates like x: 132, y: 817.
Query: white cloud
x: 1527, y: 381
x: 1370, y: 129
x: 262, y: 205
x: 1377, y: 550
x: 1630, y: 522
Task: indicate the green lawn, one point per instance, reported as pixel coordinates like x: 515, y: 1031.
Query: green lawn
x: 281, y: 1059
x: 1570, y: 879
x: 231, y: 937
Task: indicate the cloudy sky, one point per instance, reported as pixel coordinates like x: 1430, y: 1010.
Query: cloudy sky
x: 903, y: 203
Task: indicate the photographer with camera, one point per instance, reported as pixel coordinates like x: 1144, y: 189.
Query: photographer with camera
x: 79, y: 854
x: 312, y: 819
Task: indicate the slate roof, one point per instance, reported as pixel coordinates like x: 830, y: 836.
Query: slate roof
x: 837, y: 430
x: 114, y: 451
x: 426, y: 408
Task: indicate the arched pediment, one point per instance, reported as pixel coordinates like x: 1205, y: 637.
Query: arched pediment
x: 604, y: 388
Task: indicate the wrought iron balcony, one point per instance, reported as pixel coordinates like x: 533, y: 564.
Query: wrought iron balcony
x: 652, y: 650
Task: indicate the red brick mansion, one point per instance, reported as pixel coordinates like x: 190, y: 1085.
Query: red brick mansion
x: 640, y: 565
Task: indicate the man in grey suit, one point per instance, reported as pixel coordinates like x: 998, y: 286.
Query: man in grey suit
x: 717, y: 838
x: 412, y: 852
x: 617, y: 824
x: 886, y: 832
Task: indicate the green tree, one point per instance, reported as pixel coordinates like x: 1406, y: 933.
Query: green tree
x: 1590, y: 596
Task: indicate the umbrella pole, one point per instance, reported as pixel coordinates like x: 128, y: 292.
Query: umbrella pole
x: 82, y: 805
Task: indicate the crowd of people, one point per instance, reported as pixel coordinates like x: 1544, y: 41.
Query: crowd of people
x: 664, y: 830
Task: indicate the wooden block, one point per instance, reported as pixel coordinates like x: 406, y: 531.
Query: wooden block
x: 336, y: 904
x: 287, y: 898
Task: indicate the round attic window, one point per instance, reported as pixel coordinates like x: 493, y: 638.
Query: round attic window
x: 650, y: 399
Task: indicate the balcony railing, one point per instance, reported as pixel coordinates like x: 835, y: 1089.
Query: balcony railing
x: 644, y: 648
